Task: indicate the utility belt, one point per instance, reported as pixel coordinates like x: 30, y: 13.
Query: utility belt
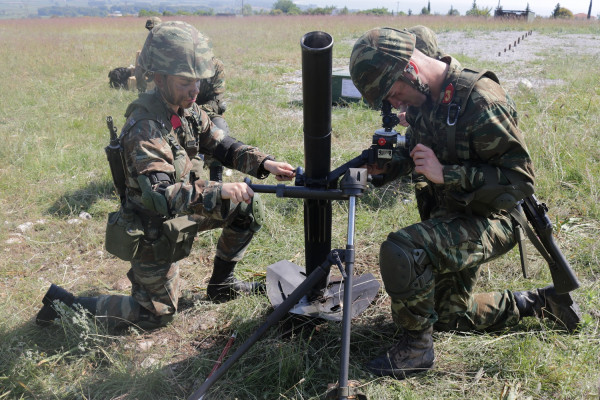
x: 129, y: 231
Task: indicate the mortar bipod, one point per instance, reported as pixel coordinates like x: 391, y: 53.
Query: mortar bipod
x: 367, y: 287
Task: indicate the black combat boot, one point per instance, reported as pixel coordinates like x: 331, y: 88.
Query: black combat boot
x: 47, y: 313
x: 413, y: 353
x: 223, y: 286
x: 546, y: 303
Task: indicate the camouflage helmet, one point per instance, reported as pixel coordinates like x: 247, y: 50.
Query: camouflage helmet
x: 152, y: 22
x: 426, y: 41
x: 177, y: 48
x: 378, y: 60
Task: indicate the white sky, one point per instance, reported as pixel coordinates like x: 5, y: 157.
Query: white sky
x: 542, y: 8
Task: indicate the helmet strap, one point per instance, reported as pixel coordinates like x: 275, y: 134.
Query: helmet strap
x: 415, y: 81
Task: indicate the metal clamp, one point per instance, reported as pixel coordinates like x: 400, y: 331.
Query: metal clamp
x: 453, y: 107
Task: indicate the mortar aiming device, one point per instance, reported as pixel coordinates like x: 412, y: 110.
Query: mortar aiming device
x: 384, y: 142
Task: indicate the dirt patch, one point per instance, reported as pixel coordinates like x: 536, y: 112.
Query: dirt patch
x: 518, y: 63
x: 485, y: 46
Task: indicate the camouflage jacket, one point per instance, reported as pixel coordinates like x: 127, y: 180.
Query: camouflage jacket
x: 210, y: 99
x: 151, y: 143
x: 488, y: 144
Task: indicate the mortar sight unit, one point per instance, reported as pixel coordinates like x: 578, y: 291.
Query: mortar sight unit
x: 386, y: 139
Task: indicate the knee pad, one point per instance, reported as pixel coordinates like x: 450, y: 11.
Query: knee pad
x: 250, y: 216
x: 405, y: 270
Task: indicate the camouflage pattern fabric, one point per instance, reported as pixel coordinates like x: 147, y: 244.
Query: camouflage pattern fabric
x: 151, y: 144
x: 426, y: 41
x: 140, y: 78
x: 456, y: 246
x: 177, y: 48
x: 152, y: 22
x: 210, y: 98
x: 487, y: 136
x: 378, y: 60
x: 155, y: 285
x: 489, y: 117
x: 147, y: 149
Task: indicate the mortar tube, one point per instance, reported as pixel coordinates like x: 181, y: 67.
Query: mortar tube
x: 316, y: 96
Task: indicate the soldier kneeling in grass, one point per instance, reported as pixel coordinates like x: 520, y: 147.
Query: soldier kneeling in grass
x: 165, y: 200
x: 471, y: 168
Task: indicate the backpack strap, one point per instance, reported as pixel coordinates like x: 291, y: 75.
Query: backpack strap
x: 459, y: 92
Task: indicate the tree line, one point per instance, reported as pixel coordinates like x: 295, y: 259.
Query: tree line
x: 280, y: 7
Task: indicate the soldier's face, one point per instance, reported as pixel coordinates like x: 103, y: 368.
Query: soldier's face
x: 403, y: 95
x: 179, y: 91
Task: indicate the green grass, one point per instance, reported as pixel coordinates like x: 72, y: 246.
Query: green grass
x: 54, y: 98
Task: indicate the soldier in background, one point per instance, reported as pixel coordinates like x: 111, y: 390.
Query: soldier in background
x: 138, y: 73
x: 166, y: 202
x: 467, y: 148
x: 210, y: 99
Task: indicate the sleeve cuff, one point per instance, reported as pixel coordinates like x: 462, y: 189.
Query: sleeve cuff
x: 262, y: 173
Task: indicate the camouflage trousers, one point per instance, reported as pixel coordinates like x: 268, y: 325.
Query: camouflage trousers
x: 155, y: 285
x: 456, y: 245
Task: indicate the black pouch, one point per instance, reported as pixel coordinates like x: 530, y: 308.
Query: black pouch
x: 176, y: 241
x: 123, y: 233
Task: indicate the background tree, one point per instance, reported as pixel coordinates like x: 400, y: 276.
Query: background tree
x: 453, y: 11
x: 320, y: 11
x: 556, y: 9
x: 247, y: 9
x: 561, y: 12
x: 376, y: 11
x: 590, y: 11
x: 478, y: 12
x: 286, y: 7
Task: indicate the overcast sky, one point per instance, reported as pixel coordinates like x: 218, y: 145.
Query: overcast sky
x: 542, y: 8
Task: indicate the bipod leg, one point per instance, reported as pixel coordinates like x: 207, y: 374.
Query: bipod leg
x: 310, y: 281
x: 343, y: 389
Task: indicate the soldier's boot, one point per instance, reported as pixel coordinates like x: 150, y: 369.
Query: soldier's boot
x: 223, y: 286
x: 216, y: 173
x: 149, y: 321
x: 48, y: 313
x: 546, y: 303
x: 413, y: 353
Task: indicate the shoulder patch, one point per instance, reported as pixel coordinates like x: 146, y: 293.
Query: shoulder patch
x: 448, y: 94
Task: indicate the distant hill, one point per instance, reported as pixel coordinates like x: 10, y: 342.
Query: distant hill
x: 47, y: 8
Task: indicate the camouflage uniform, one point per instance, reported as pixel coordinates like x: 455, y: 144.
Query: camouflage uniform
x: 139, y: 72
x: 441, y: 256
x: 210, y: 99
x: 151, y: 146
x: 166, y: 199
x: 426, y: 41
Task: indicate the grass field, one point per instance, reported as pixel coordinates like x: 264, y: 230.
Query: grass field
x: 54, y: 98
